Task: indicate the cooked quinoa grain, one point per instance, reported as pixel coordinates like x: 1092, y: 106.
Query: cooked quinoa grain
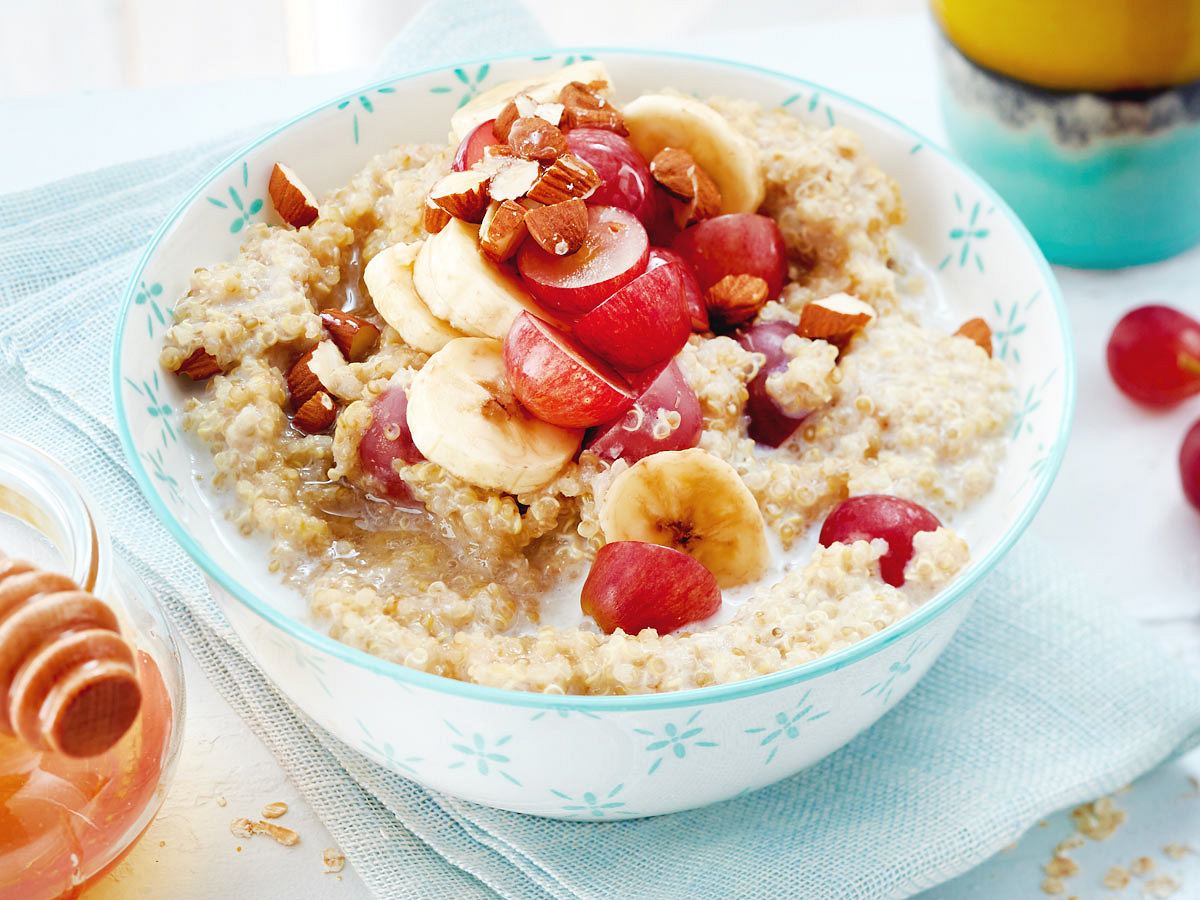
x: 462, y: 584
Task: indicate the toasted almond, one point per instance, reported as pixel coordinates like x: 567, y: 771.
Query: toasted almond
x: 559, y: 228
x: 734, y: 300
x: 316, y: 414
x: 462, y: 194
x: 834, y: 318
x: 532, y: 137
x: 274, y: 810
x: 436, y: 218
x: 505, y: 119
x: 353, y: 335
x: 607, y: 119
x: 672, y: 168
x: 704, y: 203
x: 293, y: 201
x: 979, y: 331
x: 302, y: 381
x: 577, y: 94
x: 503, y: 230
x: 513, y: 179
x: 199, y: 365
x: 569, y: 177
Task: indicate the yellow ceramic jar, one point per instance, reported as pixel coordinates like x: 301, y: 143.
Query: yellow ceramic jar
x: 1083, y: 45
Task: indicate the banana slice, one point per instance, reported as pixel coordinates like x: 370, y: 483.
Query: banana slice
x: 694, y: 502
x: 459, y: 284
x: 389, y: 280
x: 656, y: 121
x: 543, y: 90
x: 464, y: 417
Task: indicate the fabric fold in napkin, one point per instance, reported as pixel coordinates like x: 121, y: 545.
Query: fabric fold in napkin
x: 1047, y: 697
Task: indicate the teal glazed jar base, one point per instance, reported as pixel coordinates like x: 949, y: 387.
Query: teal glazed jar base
x: 1102, y: 182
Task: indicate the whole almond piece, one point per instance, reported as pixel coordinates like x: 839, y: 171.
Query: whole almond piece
x: 979, y: 331
x: 559, y: 228
x: 435, y: 218
x: 606, y: 119
x: 199, y: 365
x: 580, y: 95
x: 704, y: 203
x: 293, y: 201
x: 734, y: 300
x: 316, y: 414
x: 503, y: 230
x: 834, y: 318
x: 567, y: 177
x: 463, y: 195
x: 532, y: 137
x: 672, y: 168
x: 504, y: 120
x: 302, y: 381
x: 353, y: 335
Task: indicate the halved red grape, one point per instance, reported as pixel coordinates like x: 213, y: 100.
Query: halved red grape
x: 613, y: 254
x: 634, y: 585
x: 769, y: 424
x: 735, y: 244
x: 643, y: 324
x: 1154, y: 355
x: 470, y: 151
x: 871, y: 516
x: 388, y: 438
x: 693, y: 297
x: 1189, y: 466
x: 645, y: 428
x: 625, y: 178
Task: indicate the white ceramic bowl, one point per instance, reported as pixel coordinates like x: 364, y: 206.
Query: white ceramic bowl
x: 593, y: 757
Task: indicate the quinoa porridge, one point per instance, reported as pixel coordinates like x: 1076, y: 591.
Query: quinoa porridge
x: 493, y: 434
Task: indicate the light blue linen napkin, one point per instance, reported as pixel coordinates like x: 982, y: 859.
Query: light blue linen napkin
x: 1047, y: 697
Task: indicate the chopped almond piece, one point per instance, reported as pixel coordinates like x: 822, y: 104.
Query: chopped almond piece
x: 199, y: 365
x: 695, y: 196
x: 316, y: 414
x: 302, y: 381
x: 354, y: 336
x: 578, y: 94
x: 735, y: 299
x: 834, y: 318
x: 559, y: 228
x: 293, y: 201
x: 569, y: 177
x: 513, y: 180
x: 436, y: 218
x: 979, y: 331
x: 463, y: 195
x: 503, y: 230
x: 504, y: 121
x: 532, y: 137
x: 607, y: 119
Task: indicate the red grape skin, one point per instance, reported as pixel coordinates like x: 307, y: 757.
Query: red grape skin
x: 627, y: 182
x: 769, y: 424
x: 871, y: 516
x: 1189, y: 466
x: 631, y: 437
x: 388, y: 438
x: 470, y: 151
x: 693, y: 297
x: 1154, y: 355
x: 735, y: 244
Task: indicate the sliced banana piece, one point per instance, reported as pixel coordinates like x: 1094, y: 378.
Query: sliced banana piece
x: 694, y: 502
x: 656, y: 121
x: 543, y: 90
x: 459, y: 284
x: 464, y: 417
x: 389, y: 280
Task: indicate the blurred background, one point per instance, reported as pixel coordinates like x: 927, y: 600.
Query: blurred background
x: 101, y: 45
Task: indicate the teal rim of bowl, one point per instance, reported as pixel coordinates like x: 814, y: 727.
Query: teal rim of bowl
x: 831, y: 662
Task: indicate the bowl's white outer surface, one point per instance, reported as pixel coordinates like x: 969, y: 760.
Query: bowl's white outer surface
x: 584, y: 757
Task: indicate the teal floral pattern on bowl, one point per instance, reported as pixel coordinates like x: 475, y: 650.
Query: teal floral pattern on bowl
x: 601, y: 758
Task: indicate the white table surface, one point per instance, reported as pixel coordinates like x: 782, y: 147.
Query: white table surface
x: 1116, y: 510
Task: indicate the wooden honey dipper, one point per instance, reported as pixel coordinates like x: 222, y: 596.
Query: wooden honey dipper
x: 68, y: 680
